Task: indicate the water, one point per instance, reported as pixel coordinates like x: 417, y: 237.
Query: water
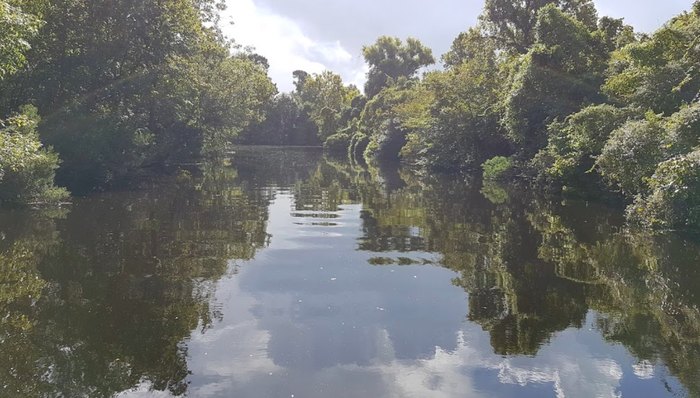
x: 285, y: 274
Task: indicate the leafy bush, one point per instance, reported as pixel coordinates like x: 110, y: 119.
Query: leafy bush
x: 658, y: 73
x: 494, y: 193
x: 27, y: 169
x: 631, y: 155
x: 684, y: 129
x: 674, y: 201
x: 497, y: 168
x: 574, y: 143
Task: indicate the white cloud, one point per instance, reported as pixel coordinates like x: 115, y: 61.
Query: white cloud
x: 315, y: 36
x: 644, y: 15
x: 284, y: 43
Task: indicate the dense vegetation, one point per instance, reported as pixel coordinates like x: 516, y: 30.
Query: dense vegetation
x: 119, y: 86
x: 544, y: 90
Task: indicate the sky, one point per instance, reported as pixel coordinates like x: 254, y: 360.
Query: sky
x: 318, y: 35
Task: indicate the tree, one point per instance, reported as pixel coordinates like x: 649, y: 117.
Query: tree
x: 325, y: 98
x: 471, y: 45
x: 300, y: 77
x: 17, y: 27
x: 615, y: 34
x: 674, y: 195
x: 390, y: 59
x: 575, y: 143
x: 286, y: 123
x: 27, y: 168
x: 465, y: 128
x: 562, y: 72
x: 129, y: 84
x: 512, y: 23
x: 661, y: 73
x: 384, y: 125
x: 631, y: 155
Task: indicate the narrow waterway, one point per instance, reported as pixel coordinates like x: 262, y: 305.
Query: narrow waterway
x: 286, y: 274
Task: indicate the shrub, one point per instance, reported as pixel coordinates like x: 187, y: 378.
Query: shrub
x: 574, y: 143
x: 494, y: 193
x: 27, y: 169
x: 631, y: 155
x: 497, y: 168
x: 674, y: 201
x: 684, y: 129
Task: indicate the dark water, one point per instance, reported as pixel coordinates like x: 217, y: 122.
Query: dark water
x: 288, y: 275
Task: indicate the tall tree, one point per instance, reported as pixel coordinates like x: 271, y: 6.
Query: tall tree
x: 125, y: 84
x: 390, y: 59
x: 17, y: 27
x: 562, y: 72
x: 512, y: 22
x: 325, y: 98
x: 661, y: 73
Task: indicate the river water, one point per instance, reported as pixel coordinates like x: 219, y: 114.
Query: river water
x: 286, y: 274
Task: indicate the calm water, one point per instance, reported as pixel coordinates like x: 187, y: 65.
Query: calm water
x: 285, y: 274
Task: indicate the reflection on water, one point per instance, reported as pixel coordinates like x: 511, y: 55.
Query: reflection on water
x: 287, y: 274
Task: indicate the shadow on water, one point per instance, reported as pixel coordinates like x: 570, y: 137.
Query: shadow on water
x: 105, y: 296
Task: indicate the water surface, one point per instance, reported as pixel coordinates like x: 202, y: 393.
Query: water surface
x: 285, y: 274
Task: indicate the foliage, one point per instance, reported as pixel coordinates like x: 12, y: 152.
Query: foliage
x: 575, y: 143
x: 470, y: 45
x: 614, y: 34
x: 661, y: 73
x: 512, y: 23
x: 559, y: 75
x: 389, y: 59
x: 17, y: 27
x: 286, y: 123
x: 381, y: 119
x: 326, y: 100
x: 26, y: 168
x: 497, y: 168
x: 124, y: 85
x: 631, y: 154
x: 684, y: 129
x: 465, y: 127
x: 674, y: 198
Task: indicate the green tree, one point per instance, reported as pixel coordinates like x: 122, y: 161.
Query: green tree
x: 390, y: 59
x: 326, y: 99
x: 560, y: 74
x: 286, y: 123
x: 512, y: 24
x: 17, y: 27
x: 128, y: 84
x: 27, y: 168
x: 673, y: 200
x: 661, y: 73
x: 387, y: 119
x: 465, y: 128
x: 576, y: 142
x: 631, y: 155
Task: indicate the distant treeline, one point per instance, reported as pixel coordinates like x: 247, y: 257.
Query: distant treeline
x: 97, y: 90
x: 546, y: 91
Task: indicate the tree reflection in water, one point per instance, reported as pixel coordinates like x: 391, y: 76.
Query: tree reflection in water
x: 104, y: 296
